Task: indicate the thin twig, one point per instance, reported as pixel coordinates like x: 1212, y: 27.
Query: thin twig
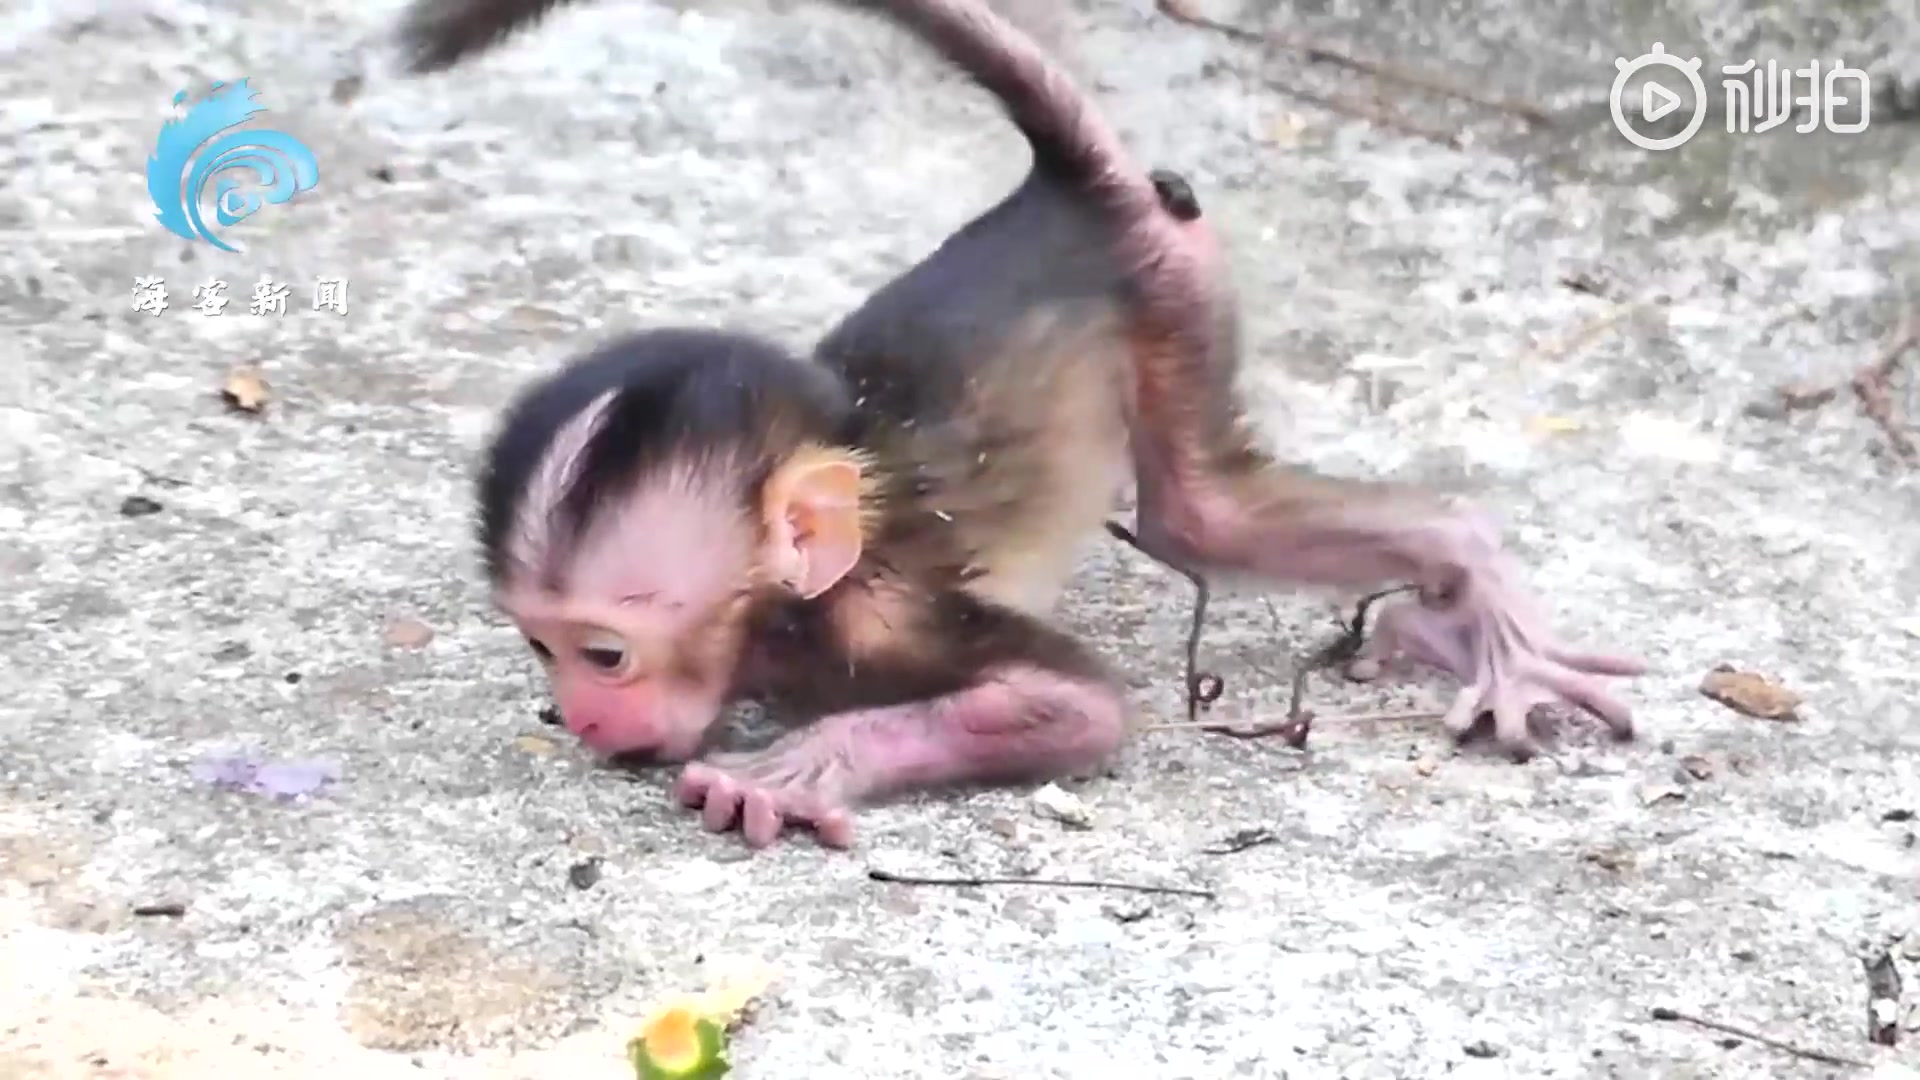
x: 1341, y: 649
x: 1243, y: 840
x: 1372, y: 114
x: 1203, y: 687
x: 1317, y: 52
x: 1871, y: 386
x: 1663, y: 1013
x: 1258, y: 731
x: 1052, y: 883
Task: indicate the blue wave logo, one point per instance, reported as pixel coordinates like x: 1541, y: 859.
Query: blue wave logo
x: 281, y: 165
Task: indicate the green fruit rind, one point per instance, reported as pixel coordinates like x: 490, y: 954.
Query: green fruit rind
x: 710, y: 1063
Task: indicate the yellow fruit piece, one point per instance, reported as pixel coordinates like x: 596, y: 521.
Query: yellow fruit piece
x: 679, y: 1043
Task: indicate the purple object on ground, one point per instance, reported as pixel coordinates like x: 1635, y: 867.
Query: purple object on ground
x: 280, y: 779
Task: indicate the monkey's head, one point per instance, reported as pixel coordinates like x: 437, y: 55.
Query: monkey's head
x: 639, y: 505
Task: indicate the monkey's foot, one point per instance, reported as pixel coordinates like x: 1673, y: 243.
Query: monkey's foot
x: 792, y: 782
x: 1490, y: 638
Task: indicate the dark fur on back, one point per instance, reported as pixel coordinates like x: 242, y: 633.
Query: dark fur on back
x: 682, y: 394
x: 803, y: 665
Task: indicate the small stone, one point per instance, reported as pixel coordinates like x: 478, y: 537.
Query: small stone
x: 134, y: 506
x: 584, y: 874
x: 1655, y: 793
x: 1614, y: 859
x: 1056, y: 802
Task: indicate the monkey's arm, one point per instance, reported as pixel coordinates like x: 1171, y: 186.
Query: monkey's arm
x: 1036, y: 714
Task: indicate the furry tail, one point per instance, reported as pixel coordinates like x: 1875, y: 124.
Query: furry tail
x: 1069, y: 139
x: 439, y: 34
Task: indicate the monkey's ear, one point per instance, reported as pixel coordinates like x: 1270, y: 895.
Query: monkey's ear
x: 814, y: 518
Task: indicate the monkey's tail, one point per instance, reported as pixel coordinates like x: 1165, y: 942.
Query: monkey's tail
x: 1069, y: 138
x: 438, y: 34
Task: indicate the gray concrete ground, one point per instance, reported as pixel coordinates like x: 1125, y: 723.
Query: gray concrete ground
x: 1422, y: 913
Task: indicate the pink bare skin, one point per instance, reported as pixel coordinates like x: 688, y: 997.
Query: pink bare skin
x: 640, y: 657
x: 1019, y: 723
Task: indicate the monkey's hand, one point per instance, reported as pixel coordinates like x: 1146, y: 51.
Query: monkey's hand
x: 1489, y: 634
x: 801, y: 779
x: 1023, y: 721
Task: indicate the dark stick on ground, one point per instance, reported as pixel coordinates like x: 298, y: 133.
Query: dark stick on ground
x: 1873, y: 386
x: 1181, y: 11
x: 1666, y: 1014
x: 1203, y: 687
x: 1242, y: 840
x: 1052, y: 883
x: 1342, y: 648
x: 1883, y: 998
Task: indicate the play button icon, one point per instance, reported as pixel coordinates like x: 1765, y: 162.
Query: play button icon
x: 1655, y: 109
x: 1656, y: 101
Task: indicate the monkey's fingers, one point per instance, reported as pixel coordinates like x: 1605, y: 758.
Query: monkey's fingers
x: 761, y: 812
x: 1598, y: 663
x: 1584, y: 690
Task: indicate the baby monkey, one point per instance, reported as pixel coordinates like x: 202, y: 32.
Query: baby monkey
x: 688, y: 518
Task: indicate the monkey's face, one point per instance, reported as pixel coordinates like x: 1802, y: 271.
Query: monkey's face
x: 635, y: 677
x: 644, y: 627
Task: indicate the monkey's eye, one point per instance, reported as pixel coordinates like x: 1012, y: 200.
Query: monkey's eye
x: 604, y: 653
x: 540, y: 650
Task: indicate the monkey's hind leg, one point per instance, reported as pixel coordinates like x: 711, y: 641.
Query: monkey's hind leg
x: 1210, y: 500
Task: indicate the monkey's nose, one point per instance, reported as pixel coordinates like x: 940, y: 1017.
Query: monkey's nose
x: 612, y: 740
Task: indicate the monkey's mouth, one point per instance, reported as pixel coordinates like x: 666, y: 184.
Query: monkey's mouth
x: 636, y: 760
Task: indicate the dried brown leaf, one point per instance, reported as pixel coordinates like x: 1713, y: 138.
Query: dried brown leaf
x: 245, y: 389
x: 1751, y: 694
x: 1804, y: 395
x: 407, y: 633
